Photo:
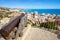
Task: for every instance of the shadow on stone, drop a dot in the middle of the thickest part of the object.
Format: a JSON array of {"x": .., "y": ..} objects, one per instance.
[{"x": 58, "y": 36}]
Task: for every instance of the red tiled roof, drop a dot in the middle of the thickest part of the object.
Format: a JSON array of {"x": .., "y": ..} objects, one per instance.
[{"x": 58, "y": 22}]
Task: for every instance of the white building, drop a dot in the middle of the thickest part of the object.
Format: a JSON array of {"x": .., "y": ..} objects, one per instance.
[
  {"x": 35, "y": 15},
  {"x": 29, "y": 16},
  {"x": 14, "y": 10},
  {"x": 43, "y": 19}
]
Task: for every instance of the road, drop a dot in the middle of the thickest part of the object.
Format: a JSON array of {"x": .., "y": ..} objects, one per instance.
[{"x": 39, "y": 34}]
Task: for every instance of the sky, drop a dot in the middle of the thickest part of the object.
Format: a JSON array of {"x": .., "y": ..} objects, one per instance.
[{"x": 31, "y": 4}]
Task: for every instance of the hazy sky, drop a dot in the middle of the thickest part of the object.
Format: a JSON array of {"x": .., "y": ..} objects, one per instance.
[{"x": 40, "y": 4}]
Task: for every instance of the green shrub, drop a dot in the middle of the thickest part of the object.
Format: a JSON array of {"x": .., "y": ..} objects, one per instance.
[
  {"x": 4, "y": 14},
  {"x": 28, "y": 22},
  {"x": 34, "y": 24}
]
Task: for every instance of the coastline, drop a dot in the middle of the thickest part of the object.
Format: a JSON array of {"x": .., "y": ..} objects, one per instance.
[{"x": 40, "y": 11}]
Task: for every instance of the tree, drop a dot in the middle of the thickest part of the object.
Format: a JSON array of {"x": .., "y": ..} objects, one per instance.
[{"x": 49, "y": 25}]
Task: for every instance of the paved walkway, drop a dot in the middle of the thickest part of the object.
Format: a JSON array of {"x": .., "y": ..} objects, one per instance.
[{"x": 39, "y": 34}]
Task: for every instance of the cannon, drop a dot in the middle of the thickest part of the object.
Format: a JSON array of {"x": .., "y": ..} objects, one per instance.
[{"x": 6, "y": 30}]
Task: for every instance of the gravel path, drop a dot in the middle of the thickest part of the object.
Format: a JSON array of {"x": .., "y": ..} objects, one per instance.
[{"x": 39, "y": 34}]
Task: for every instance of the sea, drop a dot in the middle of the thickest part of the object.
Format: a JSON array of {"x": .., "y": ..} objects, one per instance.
[{"x": 40, "y": 11}]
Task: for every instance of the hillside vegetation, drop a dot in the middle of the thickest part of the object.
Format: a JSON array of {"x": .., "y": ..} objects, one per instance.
[
  {"x": 4, "y": 12},
  {"x": 4, "y": 9}
]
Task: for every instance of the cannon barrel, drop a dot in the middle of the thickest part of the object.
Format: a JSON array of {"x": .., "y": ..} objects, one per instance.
[{"x": 8, "y": 28}]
